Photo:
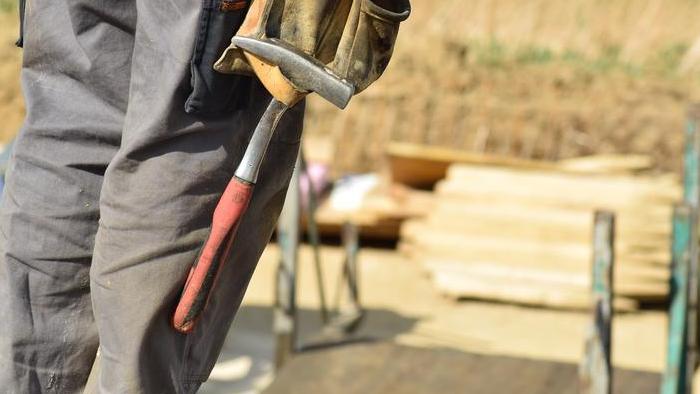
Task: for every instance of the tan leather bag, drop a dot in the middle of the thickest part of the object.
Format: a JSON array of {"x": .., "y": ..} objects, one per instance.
[{"x": 354, "y": 38}]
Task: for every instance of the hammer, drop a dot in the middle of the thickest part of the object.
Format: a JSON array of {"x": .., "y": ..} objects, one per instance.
[{"x": 289, "y": 74}]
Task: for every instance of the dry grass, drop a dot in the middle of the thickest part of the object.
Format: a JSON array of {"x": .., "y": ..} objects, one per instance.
[
  {"x": 638, "y": 29},
  {"x": 538, "y": 79},
  {"x": 542, "y": 78}
]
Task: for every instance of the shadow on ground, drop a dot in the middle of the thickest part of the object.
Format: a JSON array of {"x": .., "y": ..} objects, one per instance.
[
  {"x": 385, "y": 367},
  {"x": 246, "y": 362}
]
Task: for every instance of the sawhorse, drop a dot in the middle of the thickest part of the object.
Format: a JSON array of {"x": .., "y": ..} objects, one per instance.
[{"x": 289, "y": 236}]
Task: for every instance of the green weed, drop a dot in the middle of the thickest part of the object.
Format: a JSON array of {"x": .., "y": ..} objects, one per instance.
[
  {"x": 491, "y": 54},
  {"x": 667, "y": 60},
  {"x": 534, "y": 55},
  {"x": 8, "y": 5}
]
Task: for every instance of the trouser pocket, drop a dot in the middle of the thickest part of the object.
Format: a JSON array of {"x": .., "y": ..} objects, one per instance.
[
  {"x": 20, "y": 39},
  {"x": 213, "y": 92}
]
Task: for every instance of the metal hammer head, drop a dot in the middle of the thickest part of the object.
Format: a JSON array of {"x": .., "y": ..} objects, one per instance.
[{"x": 302, "y": 70}]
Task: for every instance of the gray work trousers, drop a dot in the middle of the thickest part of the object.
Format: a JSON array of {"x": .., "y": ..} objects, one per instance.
[{"x": 111, "y": 190}]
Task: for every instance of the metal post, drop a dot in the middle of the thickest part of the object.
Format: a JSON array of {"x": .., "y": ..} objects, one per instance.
[
  {"x": 285, "y": 323},
  {"x": 596, "y": 370},
  {"x": 691, "y": 167},
  {"x": 314, "y": 238},
  {"x": 691, "y": 346},
  {"x": 691, "y": 196},
  {"x": 676, "y": 380},
  {"x": 351, "y": 316},
  {"x": 351, "y": 241}
]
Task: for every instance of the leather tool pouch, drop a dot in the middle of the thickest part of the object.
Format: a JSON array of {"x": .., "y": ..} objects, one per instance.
[
  {"x": 213, "y": 92},
  {"x": 354, "y": 38},
  {"x": 368, "y": 40}
]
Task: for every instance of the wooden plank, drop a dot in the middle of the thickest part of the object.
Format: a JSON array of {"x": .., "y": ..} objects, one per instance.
[
  {"x": 637, "y": 211},
  {"x": 565, "y": 274},
  {"x": 546, "y": 234},
  {"x": 646, "y": 220},
  {"x": 564, "y": 195},
  {"x": 607, "y": 164},
  {"x": 494, "y": 248},
  {"x": 558, "y": 189},
  {"x": 519, "y": 292},
  {"x": 421, "y": 166},
  {"x": 648, "y": 290}
]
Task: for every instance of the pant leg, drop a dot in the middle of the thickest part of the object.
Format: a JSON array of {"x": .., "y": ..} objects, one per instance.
[
  {"x": 157, "y": 201},
  {"x": 75, "y": 78}
]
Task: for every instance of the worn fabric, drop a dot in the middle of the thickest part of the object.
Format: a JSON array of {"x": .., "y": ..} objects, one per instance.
[{"x": 109, "y": 195}]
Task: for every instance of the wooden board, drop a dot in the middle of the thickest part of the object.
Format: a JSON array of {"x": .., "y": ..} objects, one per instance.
[
  {"x": 558, "y": 189},
  {"x": 533, "y": 270},
  {"x": 633, "y": 221},
  {"x": 608, "y": 164},
  {"x": 503, "y": 249},
  {"x": 421, "y": 166},
  {"x": 520, "y": 293},
  {"x": 527, "y": 285}
]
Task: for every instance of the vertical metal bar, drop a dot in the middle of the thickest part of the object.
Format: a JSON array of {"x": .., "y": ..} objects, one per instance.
[
  {"x": 351, "y": 241},
  {"x": 691, "y": 167},
  {"x": 691, "y": 335},
  {"x": 285, "y": 315},
  {"x": 691, "y": 196},
  {"x": 596, "y": 370},
  {"x": 314, "y": 238},
  {"x": 675, "y": 376}
]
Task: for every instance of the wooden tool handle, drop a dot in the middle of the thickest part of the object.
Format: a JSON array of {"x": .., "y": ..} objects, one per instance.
[{"x": 203, "y": 274}]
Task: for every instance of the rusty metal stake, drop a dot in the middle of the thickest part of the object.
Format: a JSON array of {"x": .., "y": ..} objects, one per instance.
[
  {"x": 285, "y": 314},
  {"x": 677, "y": 379},
  {"x": 595, "y": 373},
  {"x": 691, "y": 196}
]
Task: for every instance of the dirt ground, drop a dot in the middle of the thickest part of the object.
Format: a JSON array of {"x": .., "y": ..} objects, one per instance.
[
  {"x": 403, "y": 307},
  {"x": 535, "y": 98},
  {"x": 11, "y": 102}
]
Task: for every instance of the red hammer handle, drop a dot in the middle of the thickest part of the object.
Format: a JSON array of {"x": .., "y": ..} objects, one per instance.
[{"x": 203, "y": 274}]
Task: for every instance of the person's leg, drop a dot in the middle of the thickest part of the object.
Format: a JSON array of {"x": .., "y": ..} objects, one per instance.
[
  {"x": 75, "y": 76},
  {"x": 157, "y": 202}
]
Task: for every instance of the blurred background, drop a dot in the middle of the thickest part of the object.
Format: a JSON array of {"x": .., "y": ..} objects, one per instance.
[{"x": 454, "y": 203}]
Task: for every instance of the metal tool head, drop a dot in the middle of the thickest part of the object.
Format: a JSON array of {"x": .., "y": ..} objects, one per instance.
[{"x": 302, "y": 70}]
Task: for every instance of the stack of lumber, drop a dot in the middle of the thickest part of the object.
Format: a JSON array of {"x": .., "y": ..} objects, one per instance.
[{"x": 523, "y": 234}]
